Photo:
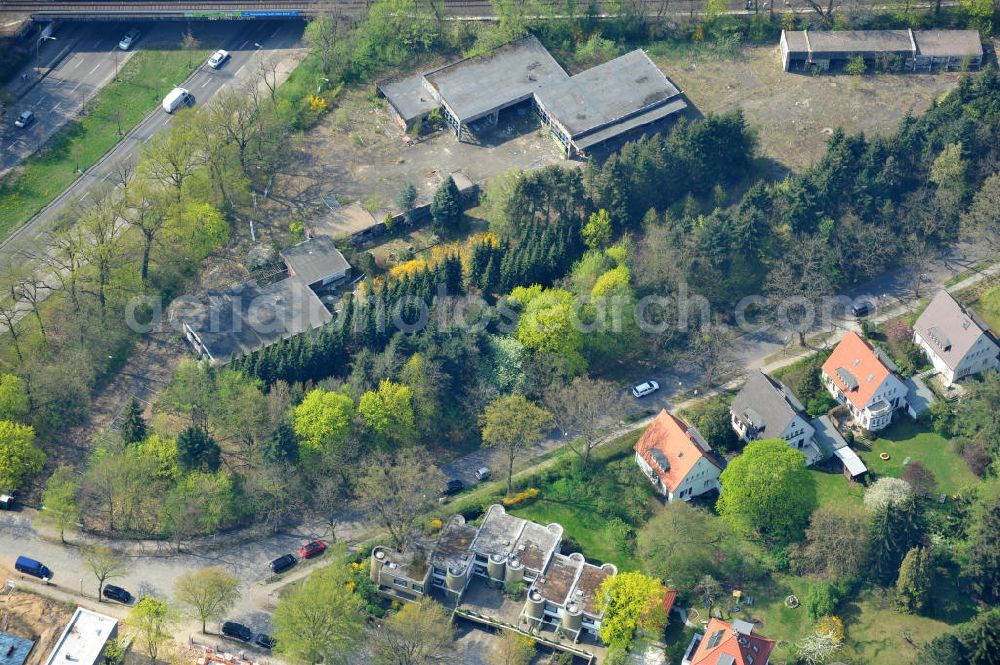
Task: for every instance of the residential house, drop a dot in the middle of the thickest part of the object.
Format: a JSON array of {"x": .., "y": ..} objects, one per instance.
[
  {"x": 955, "y": 340},
  {"x": 677, "y": 459},
  {"x": 725, "y": 643},
  {"x": 862, "y": 377},
  {"x": 566, "y": 595},
  {"x": 562, "y": 589},
  {"x": 765, "y": 409}
]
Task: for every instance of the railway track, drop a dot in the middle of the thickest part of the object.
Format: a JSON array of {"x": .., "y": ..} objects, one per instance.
[{"x": 222, "y": 9}]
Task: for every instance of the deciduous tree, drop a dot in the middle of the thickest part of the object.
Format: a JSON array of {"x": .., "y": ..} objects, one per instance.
[
  {"x": 597, "y": 230},
  {"x": 583, "y": 410},
  {"x": 837, "y": 544},
  {"x": 208, "y": 593},
  {"x": 321, "y": 620},
  {"x": 512, "y": 424},
  {"x": 418, "y": 634},
  {"x": 388, "y": 412},
  {"x": 19, "y": 456},
  {"x": 766, "y": 490},
  {"x": 323, "y": 420},
  {"x": 681, "y": 543},
  {"x": 630, "y": 601},
  {"x": 105, "y": 564},
  {"x": 59, "y": 504},
  {"x": 513, "y": 649},
  {"x": 150, "y": 622},
  {"x": 395, "y": 490}
]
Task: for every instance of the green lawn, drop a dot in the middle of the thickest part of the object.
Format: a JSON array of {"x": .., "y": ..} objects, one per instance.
[
  {"x": 141, "y": 85},
  {"x": 988, "y": 308},
  {"x": 835, "y": 488},
  {"x": 584, "y": 525},
  {"x": 876, "y": 634},
  {"x": 907, "y": 438}
]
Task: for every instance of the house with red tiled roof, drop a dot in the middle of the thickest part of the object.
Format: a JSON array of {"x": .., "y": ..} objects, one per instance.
[
  {"x": 725, "y": 643},
  {"x": 677, "y": 459},
  {"x": 862, "y": 377}
]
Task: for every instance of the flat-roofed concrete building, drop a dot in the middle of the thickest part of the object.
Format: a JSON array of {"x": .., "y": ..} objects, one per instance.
[
  {"x": 566, "y": 595},
  {"x": 892, "y": 50},
  {"x": 82, "y": 641},
  {"x": 244, "y": 318},
  {"x": 606, "y": 101},
  {"x": 582, "y": 111},
  {"x": 409, "y": 101},
  {"x": 316, "y": 262},
  {"x": 504, "y": 549},
  {"x": 482, "y": 86}
]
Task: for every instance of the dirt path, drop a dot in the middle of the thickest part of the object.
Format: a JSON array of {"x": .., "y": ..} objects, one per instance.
[{"x": 149, "y": 367}]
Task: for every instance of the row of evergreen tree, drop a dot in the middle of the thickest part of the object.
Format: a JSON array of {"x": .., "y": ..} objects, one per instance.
[
  {"x": 544, "y": 254},
  {"x": 363, "y": 323}
]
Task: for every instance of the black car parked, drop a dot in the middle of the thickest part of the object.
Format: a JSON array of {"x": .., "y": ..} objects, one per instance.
[
  {"x": 454, "y": 486},
  {"x": 117, "y": 593},
  {"x": 283, "y": 563},
  {"x": 237, "y": 631},
  {"x": 265, "y": 641}
]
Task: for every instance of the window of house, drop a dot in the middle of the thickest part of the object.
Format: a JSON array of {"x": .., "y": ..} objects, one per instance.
[
  {"x": 419, "y": 588},
  {"x": 399, "y": 582}
]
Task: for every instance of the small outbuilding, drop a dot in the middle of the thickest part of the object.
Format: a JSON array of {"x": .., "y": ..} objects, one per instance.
[
  {"x": 894, "y": 50},
  {"x": 316, "y": 262},
  {"x": 14, "y": 650},
  {"x": 829, "y": 438}
]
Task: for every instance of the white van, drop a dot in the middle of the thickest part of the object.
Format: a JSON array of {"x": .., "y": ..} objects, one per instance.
[{"x": 176, "y": 97}]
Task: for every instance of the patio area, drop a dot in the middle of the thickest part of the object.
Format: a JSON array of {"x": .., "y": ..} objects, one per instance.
[{"x": 487, "y": 604}]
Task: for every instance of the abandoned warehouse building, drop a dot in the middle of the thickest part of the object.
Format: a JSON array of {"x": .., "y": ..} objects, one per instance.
[
  {"x": 250, "y": 316},
  {"x": 886, "y": 50},
  {"x": 582, "y": 111}
]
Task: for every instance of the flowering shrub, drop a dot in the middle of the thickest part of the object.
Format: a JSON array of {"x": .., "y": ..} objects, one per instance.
[{"x": 521, "y": 497}]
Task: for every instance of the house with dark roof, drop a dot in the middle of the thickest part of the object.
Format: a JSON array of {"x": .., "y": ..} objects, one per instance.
[
  {"x": 860, "y": 376},
  {"x": 677, "y": 459},
  {"x": 725, "y": 643},
  {"x": 954, "y": 339},
  {"x": 766, "y": 409}
]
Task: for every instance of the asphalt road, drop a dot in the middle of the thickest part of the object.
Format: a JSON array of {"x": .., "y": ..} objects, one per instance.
[
  {"x": 155, "y": 567},
  {"x": 85, "y": 57},
  {"x": 240, "y": 39}
]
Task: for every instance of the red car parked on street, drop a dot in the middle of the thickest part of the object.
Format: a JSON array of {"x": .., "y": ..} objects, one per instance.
[{"x": 315, "y": 548}]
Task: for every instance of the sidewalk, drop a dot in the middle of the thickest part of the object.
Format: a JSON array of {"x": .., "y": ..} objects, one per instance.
[{"x": 40, "y": 67}]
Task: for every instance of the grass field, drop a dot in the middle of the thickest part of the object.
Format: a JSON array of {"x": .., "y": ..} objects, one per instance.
[
  {"x": 988, "y": 308},
  {"x": 876, "y": 634},
  {"x": 910, "y": 439},
  {"x": 587, "y": 528},
  {"x": 83, "y": 141}
]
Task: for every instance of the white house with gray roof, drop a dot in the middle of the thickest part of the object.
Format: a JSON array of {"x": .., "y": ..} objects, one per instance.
[
  {"x": 955, "y": 340},
  {"x": 765, "y": 409}
]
